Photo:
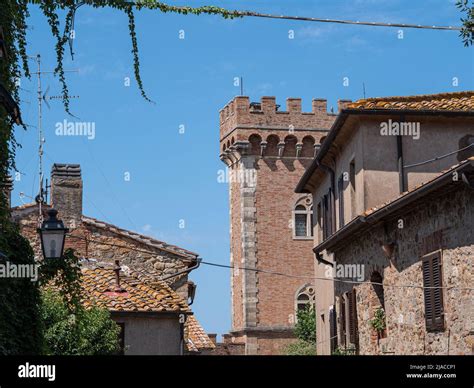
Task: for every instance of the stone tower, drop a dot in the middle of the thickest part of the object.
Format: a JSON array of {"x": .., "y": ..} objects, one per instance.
[{"x": 266, "y": 151}]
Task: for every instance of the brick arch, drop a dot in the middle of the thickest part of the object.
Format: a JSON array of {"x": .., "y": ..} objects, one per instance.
[
  {"x": 272, "y": 145},
  {"x": 255, "y": 141},
  {"x": 290, "y": 146},
  {"x": 308, "y": 147}
]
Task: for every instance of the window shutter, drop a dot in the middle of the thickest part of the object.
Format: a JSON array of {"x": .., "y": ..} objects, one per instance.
[
  {"x": 432, "y": 277},
  {"x": 342, "y": 322},
  {"x": 333, "y": 328},
  {"x": 353, "y": 332}
]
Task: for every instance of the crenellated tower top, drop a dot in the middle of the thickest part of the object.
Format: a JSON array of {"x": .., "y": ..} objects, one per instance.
[{"x": 262, "y": 129}]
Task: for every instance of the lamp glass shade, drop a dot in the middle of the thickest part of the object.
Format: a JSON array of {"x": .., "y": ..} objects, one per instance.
[
  {"x": 53, "y": 243},
  {"x": 53, "y": 235}
]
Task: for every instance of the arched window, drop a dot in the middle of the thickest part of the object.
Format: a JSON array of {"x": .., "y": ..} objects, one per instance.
[
  {"x": 303, "y": 218},
  {"x": 377, "y": 301},
  {"x": 305, "y": 297}
]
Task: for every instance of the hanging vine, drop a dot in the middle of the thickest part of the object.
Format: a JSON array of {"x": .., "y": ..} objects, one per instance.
[{"x": 50, "y": 9}]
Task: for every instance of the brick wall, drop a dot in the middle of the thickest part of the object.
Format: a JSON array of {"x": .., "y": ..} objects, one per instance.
[{"x": 267, "y": 150}]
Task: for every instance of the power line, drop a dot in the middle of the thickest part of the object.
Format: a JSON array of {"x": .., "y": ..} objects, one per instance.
[
  {"x": 97, "y": 166},
  {"x": 236, "y": 14},
  {"x": 352, "y": 22},
  {"x": 276, "y": 273},
  {"x": 330, "y": 279},
  {"x": 439, "y": 157}
]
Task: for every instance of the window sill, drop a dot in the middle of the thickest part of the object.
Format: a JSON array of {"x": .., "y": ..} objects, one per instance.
[{"x": 308, "y": 238}]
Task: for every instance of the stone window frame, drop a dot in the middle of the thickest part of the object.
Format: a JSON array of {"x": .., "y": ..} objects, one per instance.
[
  {"x": 307, "y": 203},
  {"x": 308, "y": 290}
]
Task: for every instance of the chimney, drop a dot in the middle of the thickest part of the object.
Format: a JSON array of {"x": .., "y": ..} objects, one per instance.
[
  {"x": 343, "y": 104},
  {"x": 7, "y": 188},
  {"x": 66, "y": 193},
  {"x": 117, "y": 268},
  {"x": 213, "y": 338}
]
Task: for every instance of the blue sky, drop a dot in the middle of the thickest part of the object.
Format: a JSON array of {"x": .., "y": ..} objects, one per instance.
[{"x": 173, "y": 175}]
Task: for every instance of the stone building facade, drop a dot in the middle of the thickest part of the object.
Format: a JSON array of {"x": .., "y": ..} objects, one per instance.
[
  {"x": 156, "y": 264},
  {"x": 98, "y": 241},
  {"x": 438, "y": 219},
  {"x": 361, "y": 169},
  {"x": 266, "y": 150}
]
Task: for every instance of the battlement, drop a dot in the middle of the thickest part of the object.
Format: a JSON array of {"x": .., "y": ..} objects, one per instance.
[
  {"x": 241, "y": 113},
  {"x": 273, "y": 132}
]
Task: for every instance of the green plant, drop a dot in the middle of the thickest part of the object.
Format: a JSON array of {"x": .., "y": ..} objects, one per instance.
[
  {"x": 305, "y": 331},
  {"x": 378, "y": 323},
  {"x": 348, "y": 351},
  {"x": 20, "y": 324},
  {"x": 85, "y": 332},
  {"x": 467, "y": 30},
  {"x": 301, "y": 348},
  {"x": 305, "y": 328}
]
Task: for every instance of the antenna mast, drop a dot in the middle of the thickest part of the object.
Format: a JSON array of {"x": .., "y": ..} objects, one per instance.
[{"x": 40, "y": 197}]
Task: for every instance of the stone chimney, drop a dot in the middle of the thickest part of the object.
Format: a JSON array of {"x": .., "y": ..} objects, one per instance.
[
  {"x": 343, "y": 104},
  {"x": 213, "y": 338},
  {"x": 7, "y": 188},
  {"x": 66, "y": 193}
]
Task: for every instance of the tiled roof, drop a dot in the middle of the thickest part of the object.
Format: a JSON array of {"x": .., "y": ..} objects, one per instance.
[
  {"x": 458, "y": 101},
  {"x": 141, "y": 294},
  {"x": 151, "y": 242},
  {"x": 196, "y": 337},
  {"x": 99, "y": 285}
]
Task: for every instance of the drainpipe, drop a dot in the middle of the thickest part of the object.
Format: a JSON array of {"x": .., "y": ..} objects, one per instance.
[
  {"x": 401, "y": 170},
  {"x": 187, "y": 270}
]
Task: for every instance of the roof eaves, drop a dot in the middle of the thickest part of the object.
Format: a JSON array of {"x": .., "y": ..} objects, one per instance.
[
  {"x": 358, "y": 223},
  {"x": 336, "y": 127}
]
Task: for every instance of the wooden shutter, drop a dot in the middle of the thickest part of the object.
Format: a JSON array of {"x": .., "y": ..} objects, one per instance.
[
  {"x": 353, "y": 332},
  {"x": 342, "y": 320},
  {"x": 333, "y": 328},
  {"x": 432, "y": 277}
]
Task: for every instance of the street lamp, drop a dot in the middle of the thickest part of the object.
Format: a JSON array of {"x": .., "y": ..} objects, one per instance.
[{"x": 53, "y": 235}]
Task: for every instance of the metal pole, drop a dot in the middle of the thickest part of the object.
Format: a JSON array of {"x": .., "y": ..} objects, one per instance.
[{"x": 40, "y": 139}]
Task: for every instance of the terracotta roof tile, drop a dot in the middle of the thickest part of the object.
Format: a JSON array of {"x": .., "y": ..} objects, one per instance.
[
  {"x": 196, "y": 337},
  {"x": 458, "y": 101},
  {"x": 99, "y": 284}
]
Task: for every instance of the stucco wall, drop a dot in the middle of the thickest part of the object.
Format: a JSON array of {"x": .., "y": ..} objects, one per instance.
[{"x": 151, "y": 335}]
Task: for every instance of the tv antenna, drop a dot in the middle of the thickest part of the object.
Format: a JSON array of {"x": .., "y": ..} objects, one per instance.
[{"x": 43, "y": 97}]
